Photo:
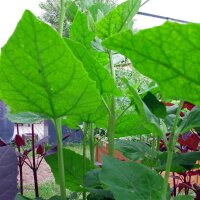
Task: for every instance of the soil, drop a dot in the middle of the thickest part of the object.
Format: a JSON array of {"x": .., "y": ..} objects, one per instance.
[{"x": 44, "y": 174}]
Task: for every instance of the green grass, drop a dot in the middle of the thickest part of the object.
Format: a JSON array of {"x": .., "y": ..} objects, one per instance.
[{"x": 46, "y": 190}]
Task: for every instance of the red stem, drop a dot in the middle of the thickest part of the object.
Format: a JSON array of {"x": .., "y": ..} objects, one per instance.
[
  {"x": 20, "y": 167},
  {"x": 174, "y": 183},
  {"x": 34, "y": 165}
]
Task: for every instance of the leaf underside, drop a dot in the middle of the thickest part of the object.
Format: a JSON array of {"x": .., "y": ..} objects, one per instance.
[
  {"x": 38, "y": 73},
  {"x": 169, "y": 54}
]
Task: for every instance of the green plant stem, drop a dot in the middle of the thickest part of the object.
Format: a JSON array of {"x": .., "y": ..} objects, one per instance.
[
  {"x": 58, "y": 125},
  {"x": 91, "y": 141},
  {"x": 112, "y": 117},
  {"x": 62, "y": 16},
  {"x": 85, "y": 130},
  {"x": 170, "y": 150},
  {"x": 158, "y": 143},
  {"x": 153, "y": 149}
]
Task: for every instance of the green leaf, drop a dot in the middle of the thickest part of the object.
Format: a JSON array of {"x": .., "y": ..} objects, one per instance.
[
  {"x": 155, "y": 106},
  {"x": 55, "y": 198},
  {"x": 99, "y": 117},
  {"x": 38, "y": 73},
  {"x": 133, "y": 150},
  {"x": 190, "y": 121},
  {"x": 169, "y": 54},
  {"x": 103, "y": 7},
  {"x": 183, "y": 197},
  {"x": 25, "y": 118},
  {"x": 20, "y": 197},
  {"x": 180, "y": 162},
  {"x": 130, "y": 124},
  {"x": 80, "y": 32},
  {"x": 104, "y": 81},
  {"x": 131, "y": 180},
  {"x": 71, "y": 10},
  {"x": 150, "y": 121},
  {"x": 73, "y": 169},
  {"x": 117, "y": 19}
]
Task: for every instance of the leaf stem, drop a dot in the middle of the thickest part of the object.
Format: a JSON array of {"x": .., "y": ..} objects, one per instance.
[
  {"x": 170, "y": 150},
  {"x": 112, "y": 117},
  {"x": 85, "y": 130},
  {"x": 34, "y": 168},
  {"x": 62, "y": 16},
  {"x": 91, "y": 141},
  {"x": 61, "y": 168}
]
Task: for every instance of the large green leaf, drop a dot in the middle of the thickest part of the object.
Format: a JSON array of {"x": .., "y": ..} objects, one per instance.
[
  {"x": 130, "y": 124},
  {"x": 150, "y": 121},
  {"x": 73, "y": 169},
  {"x": 117, "y": 19},
  {"x": 169, "y": 54},
  {"x": 104, "y": 81},
  {"x": 133, "y": 150},
  {"x": 25, "y": 118},
  {"x": 99, "y": 118},
  {"x": 131, "y": 180},
  {"x": 38, "y": 73},
  {"x": 190, "y": 121}
]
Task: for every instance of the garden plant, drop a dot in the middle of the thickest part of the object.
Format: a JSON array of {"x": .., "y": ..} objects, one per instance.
[{"x": 72, "y": 81}]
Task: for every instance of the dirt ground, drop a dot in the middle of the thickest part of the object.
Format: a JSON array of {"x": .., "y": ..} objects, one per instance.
[{"x": 44, "y": 174}]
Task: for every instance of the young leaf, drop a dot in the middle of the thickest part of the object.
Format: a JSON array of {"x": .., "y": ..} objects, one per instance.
[
  {"x": 39, "y": 73},
  {"x": 155, "y": 106},
  {"x": 130, "y": 124},
  {"x": 98, "y": 73},
  {"x": 150, "y": 121},
  {"x": 103, "y": 7},
  {"x": 190, "y": 121},
  {"x": 73, "y": 169},
  {"x": 80, "y": 32},
  {"x": 169, "y": 54},
  {"x": 117, "y": 19},
  {"x": 8, "y": 173},
  {"x": 131, "y": 180}
]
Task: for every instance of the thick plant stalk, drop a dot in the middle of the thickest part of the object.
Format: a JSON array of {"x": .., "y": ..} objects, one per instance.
[
  {"x": 112, "y": 117},
  {"x": 170, "y": 150},
  {"x": 58, "y": 122},
  {"x": 85, "y": 130},
  {"x": 62, "y": 16},
  {"x": 58, "y": 125},
  {"x": 91, "y": 141},
  {"x": 34, "y": 163}
]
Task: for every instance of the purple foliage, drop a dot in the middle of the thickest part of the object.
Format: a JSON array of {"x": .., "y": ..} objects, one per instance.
[
  {"x": 8, "y": 173},
  {"x": 6, "y": 126},
  {"x": 76, "y": 136}
]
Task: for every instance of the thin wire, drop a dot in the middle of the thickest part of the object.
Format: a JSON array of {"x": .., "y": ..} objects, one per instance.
[
  {"x": 163, "y": 17},
  {"x": 144, "y": 3}
]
